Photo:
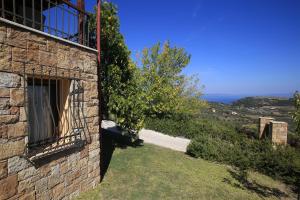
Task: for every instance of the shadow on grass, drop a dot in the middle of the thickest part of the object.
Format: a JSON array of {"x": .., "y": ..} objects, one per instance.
[
  {"x": 111, "y": 140},
  {"x": 261, "y": 190}
]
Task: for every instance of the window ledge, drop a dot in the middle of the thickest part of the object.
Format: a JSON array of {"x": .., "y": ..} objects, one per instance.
[{"x": 51, "y": 149}]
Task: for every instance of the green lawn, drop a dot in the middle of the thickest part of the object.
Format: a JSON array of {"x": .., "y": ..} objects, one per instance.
[{"x": 151, "y": 172}]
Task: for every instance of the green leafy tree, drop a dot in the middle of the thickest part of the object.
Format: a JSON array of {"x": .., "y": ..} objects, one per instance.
[
  {"x": 121, "y": 98},
  {"x": 296, "y": 114},
  {"x": 167, "y": 90}
]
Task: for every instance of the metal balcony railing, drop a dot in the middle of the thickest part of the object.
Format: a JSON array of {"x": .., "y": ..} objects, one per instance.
[{"x": 60, "y": 18}]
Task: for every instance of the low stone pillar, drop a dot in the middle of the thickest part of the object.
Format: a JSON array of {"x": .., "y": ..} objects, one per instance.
[
  {"x": 263, "y": 126},
  {"x": 279, "y": 132}
]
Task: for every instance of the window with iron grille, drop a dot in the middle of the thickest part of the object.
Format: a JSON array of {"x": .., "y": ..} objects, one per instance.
[{"x": 55, "y": 114}]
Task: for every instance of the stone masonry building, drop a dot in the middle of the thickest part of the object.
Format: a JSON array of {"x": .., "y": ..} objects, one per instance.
[
  {"x": 274, "y": 130},
  {"x": 49, "y": 117}
]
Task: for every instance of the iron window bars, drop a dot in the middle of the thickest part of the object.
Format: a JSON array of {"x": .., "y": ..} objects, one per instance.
[
  {"x": 54, "y": 103},
  {"x": 56, "y": 17}
]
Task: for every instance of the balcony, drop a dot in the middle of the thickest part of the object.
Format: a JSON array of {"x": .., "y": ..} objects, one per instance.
[{"x": 60, "y": 18}]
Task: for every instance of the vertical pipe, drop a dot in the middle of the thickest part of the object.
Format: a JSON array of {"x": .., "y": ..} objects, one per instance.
[
  {"x": 98, "y": 30},
  {"x": 49, "y": 31},
  {"x": 99, "y": 80},
  {"x": 36, "y": 122},
  {"x": 56, "y": 26},
  {"x": 80, "y": 4},
  {"x": 62, "y": 22},
  {"x": 14, "y": 10},
  {"x": 69, "y": 21},
  {"x": 24, "y": 13},
  {"x": 74, "y": 28},
  {"x": 3, "y": 8},
  {"x": 33, "y": 16},
  {"x": 42, "y": 15},
  {"x": 53, "y": 130},
  {"x": 42, "y": 102},
  {"x": 56, "y": 102},
  {"x": 25, "y": 95},
  {"x": 88, "y": 31},
  {"x": 33, "y": 104},
  {"x": 83, "y": 31}
]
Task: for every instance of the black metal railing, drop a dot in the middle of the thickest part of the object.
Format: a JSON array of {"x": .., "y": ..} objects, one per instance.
[{"x": 60, "y": 18}]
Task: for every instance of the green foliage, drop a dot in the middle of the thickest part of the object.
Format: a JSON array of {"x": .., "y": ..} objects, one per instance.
[
  {"x": 158, "y": 88},
  {"x": 189, "y": 127},
  {"x": 216, "y": 140},
  {"x": 282, "y": 162},
  {"x": 167, "y": 90},
  {"x": 296, "y": 114},
  {"x": 122, "y": 97}
]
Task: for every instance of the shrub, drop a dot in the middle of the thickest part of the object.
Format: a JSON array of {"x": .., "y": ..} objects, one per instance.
[
  {"x": 280, "y": 162},
  {"x": 223, "y": 142}
]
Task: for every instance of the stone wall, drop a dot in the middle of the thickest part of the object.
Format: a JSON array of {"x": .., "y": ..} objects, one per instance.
[
  {"x": 63, "y": 175},
  {"x": 279, "y": 132},
  {"x": 274, "y": 130},
  {"x": 264, "y": 123}
]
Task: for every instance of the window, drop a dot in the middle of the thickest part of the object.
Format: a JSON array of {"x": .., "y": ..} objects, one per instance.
[
  {"x": 55, "y": 110},
  {"x": 43, "y": 107}
]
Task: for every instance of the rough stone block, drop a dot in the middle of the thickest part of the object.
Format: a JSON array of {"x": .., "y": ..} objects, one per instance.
[
  {"x": 5, "y": 57},
  {"x": 41, "y": 185},
  {"x": 8, "y": 187},
  {"x": 84, "y": 153},
  {"x": 4, "y": 103},
  {"x": 16, "y": 97},
  {"x": 59, "y": 191},
  {"x": 17, "y": 130},
  {"x": 14, "y": 110},
  {"x": 4, "y": 92},
  {"x": 3, "y": 131},
  {"x": 8, "y": 119},
  {"x": 90, "y": 95},
  {"x": 3, "y": 169},
  {"x": 52, "y": 46},
  {"x": 11, "y": 148},
  {"x": 45, "y": 170},
  {"x": 74, "y": 194},
  {"x": 27, "y": 173},
  {"x": 92, "y": 111},
  {"x": 17, "y": 37},
  {"x": 18, "y": 54},
  {"x": 4, "y": 112},
  {"x": 33, "y": 56},
  {"x": 46, "y": 195},
  {"x": 2, "y": 35},
  {"x": 28, "y": 196},
  {"x": 47, "y": 58},
  {"x": 9, "y": 80},
  {"x": 16, "y": 164},
  {"x": 73, "y": 160},
  {"x": 22, "y": 117},
  {"x": 53, "y": 181},
  {"x": 94, "y": 153},
  {"x": 27, "y": 185}
]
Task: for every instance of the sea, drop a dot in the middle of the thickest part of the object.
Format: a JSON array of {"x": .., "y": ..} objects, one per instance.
[{"x": 230, "y": 98}]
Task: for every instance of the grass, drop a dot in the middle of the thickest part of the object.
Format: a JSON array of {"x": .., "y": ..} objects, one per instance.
[{"x": 151, "y": 172}]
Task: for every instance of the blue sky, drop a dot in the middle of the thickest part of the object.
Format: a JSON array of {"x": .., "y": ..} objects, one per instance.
[{"x": 237, "y": 46}]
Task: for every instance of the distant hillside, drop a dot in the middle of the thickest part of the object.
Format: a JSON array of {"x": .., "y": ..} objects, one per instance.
[{"x": 263, "y": 101}]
